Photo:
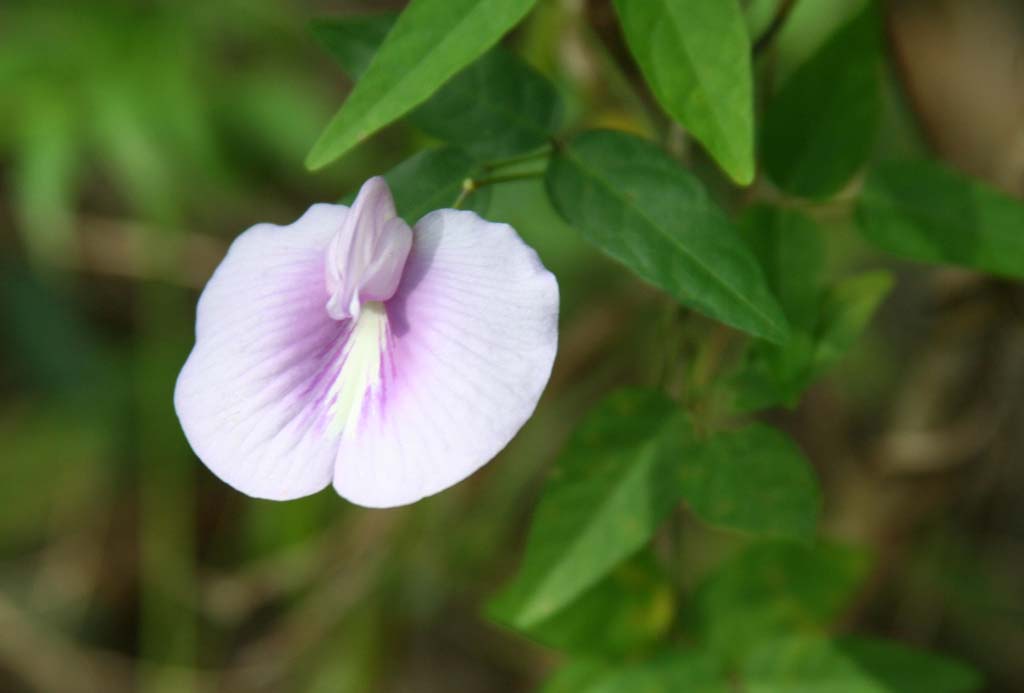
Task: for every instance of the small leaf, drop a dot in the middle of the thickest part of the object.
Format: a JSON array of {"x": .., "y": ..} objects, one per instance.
[
  {"x": 809, "y": 664},
  {"x": 771, "y": 375},
  {"x": 496, "y": 107},
  {"x": 803, "y": 664},
  {"x": 432, "y": 179},
  {"x": 754, "y": 480},
  {"x": 901, "y": 669},
  {"x": 430, "y": 42},
  {"x": 826, "y": 323},
  {"x": 695, "y": 55},
  {"x": 847, "y": 310},
  {"x": 668, "y": 673},
  {"x": 774, "y": 589},
  {"x": 353, "y": 40},
  {"x": 925, "y": 212},
  {"x": 626, "y": 612},
  {"x": 642, "y": 208},
  {"x": 791, "y": 252},
  {"x": 580, "y": 676},
  {"x": 789, "y": 247},
  {"x": 608, "y": 493},
  {"x": 820, "y": 128}
]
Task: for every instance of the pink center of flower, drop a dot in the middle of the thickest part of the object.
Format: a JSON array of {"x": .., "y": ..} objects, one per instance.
[{"x": 366, "y": 256}]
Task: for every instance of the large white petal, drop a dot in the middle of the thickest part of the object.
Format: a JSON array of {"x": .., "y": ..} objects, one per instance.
[
  {"x": 471, "y": 337},
  {"x": 251, "y": 395}
]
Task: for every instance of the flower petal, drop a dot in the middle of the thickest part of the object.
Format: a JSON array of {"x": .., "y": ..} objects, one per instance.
[
  {"x": 366, "y": 257},
  {"x": 471, "y": 337},
  {"x": 250, "y": 397}
]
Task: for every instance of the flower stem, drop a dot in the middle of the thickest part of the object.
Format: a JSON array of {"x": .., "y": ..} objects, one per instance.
[
  {"x": 468, "y": 186},
  {"x": 542, "y": 153},
  {"x": 508, "y": 178},
  {"x": 471, "y": 185}
]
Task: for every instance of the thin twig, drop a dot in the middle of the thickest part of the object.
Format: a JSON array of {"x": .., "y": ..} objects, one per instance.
[
  {"x": 507, "y": 178},
  {"x": 468, "y": 186},
  {"x": 542, "y": 153},
  {"x": 781, "y": 15},
  {"x": 471, "y": 185}
]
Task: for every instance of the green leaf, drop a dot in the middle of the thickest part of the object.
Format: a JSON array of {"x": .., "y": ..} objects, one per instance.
[
  {"x": 608, "y": 493},
  {"x": 353, "y": 40},
  {"x": 580, "y": 676},
  {"x": 668, "y": 673},
  {"x": 642, "y": 208},
  {"x": 826, "y": 323},
  {"x": 774, "y": 589},
  {"x": 626, "y": 612},
  {"x": 808, "y": 664},
  {"x": 789, "y": 247},
  {"x": 773, "y": 374},
  {"x": 803, "y": 664},
  {"x": 695, "y": 55},
  {"x": 791, "y": 252},
  {"x": 754, "y": 480},
  {"x": 846, "y": 312},
  {"x": 496, "y": 107},
  {"x": 925, "y": 212},
  {"x": 432, "y": 179},
  {"x": 905, "y": 670},
  {"x": 820, "y": 128},
  {"x": 431, "y": 41}
]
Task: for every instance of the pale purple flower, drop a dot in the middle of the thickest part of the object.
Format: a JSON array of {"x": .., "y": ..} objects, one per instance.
[{"x": 349, "y": 348}]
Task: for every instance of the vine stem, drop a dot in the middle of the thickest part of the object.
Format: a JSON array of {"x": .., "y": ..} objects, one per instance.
[
  {"x": 765, "y": 39},
  {"x": 471, "y": 185},
  {"x": 508, "y": 178},
  {"x": 468, "y": 186},
  {"x": 542, "y": 153}
]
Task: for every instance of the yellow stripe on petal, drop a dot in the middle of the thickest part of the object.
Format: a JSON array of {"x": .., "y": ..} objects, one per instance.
[{"x": 360, "y": 374}]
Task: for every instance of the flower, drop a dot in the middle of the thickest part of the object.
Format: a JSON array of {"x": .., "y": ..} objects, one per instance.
[{"x": 349, "y": 348}]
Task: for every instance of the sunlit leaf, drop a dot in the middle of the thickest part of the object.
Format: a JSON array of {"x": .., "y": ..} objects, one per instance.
[
  {"x": 695, "y": 54},
  {"x": 642, "y": 208},
  {"x": 431, "y": 41},
  {"x": 925, "y": 212}
]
